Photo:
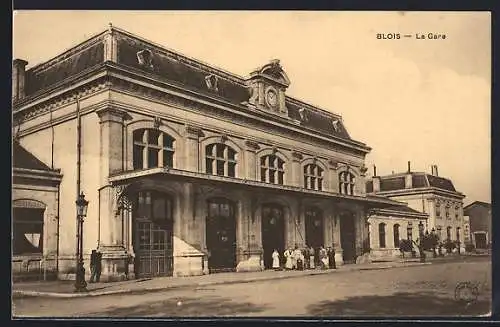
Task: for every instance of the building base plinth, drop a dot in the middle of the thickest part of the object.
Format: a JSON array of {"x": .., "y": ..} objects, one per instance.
[
  {"x": 339, "y": 257},
  {"x": 189, "y": 265},
  {"x": 253, "y": 263},
  {"x": 114, "y": 265}
]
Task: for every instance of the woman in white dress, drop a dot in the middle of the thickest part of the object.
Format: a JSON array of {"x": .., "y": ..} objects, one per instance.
[
  {"x": 276, "y": 260},
  {"x": 288, "y": 257}
]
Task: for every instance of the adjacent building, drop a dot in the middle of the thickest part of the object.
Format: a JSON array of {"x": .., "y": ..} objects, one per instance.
[
  {"x": 188, "y": 169},
  {"x": 426, "y": 193},
  {"x": 480, "y": 223}
]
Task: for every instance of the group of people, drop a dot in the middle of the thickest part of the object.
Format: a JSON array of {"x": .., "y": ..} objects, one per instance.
[{"x": 306, "y": 258}]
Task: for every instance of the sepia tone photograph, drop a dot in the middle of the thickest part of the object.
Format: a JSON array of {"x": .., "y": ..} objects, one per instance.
[{"x": 215, "y": 164}]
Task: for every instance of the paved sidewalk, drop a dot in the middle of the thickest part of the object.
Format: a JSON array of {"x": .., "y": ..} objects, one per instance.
[{"x": 64, "y": 289}]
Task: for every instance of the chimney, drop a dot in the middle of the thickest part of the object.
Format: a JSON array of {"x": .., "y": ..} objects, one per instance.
[
  {"x": 374, "y": 171},
  {"x": 432, "y": 170},
  {"x": 408, "y": 177},
  {"x": 436, "y": 170},
  {"x": 18, "y": 78}
]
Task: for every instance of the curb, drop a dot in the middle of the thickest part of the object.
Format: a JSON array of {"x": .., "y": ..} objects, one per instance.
[{"x": 22, "y": 294}]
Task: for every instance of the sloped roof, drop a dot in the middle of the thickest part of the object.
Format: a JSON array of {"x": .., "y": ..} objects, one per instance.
[
  {"x": 22, "y": 158},
  {"x": 478, "y": 203},
  {"x": 174, "y": 68},
  {"x": 400, "y": 210},
  {"x": 419, "y": 180}
]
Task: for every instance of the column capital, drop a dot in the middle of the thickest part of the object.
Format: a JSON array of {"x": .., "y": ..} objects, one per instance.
[{"x": 114, "y": 114}]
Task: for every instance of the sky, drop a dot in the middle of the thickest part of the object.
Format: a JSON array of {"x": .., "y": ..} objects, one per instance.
[{"x": 419, "y": 100}]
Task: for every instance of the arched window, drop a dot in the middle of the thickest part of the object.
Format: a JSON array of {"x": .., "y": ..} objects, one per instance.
[
  {"x": 439, "y": 232},
  {"x": 381, "y": 235},
  {"x": 447, "y": 211},
  {"x": 448, "y": 233},
  {"x": 313, "y": 177},
  {"x": 457, "y": 212},
  {"x": 458, "y": 234},
  {"x": 152, "y": 148},
  {"x": 220, "y": 160},
  {"x": 346, "y": 183},
  {"x": 396, "y": 235},
  {"x": 272, "y": 169}
]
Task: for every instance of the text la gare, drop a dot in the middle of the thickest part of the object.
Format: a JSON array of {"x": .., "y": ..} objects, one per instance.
[{"x": 430, "y": 36}]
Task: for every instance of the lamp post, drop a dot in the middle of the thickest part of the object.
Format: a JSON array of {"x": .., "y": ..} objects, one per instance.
[
  {"x": 81, "y": 212},
  {"x": 421, "y": 241}
]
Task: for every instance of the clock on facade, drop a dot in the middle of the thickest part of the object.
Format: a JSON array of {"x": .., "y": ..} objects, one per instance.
[{"x": 272, "y": 97}]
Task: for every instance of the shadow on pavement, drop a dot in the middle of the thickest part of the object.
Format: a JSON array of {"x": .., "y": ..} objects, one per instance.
[
  {"x": 185, "y": 307},
  {"x": 399, "y": 305}
]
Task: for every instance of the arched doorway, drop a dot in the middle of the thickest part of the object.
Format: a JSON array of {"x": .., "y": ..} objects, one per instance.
[
  {"x": 273, "y": 232},
  {"x": 314, "y": 228},
  {"x": 348, "y": 237},
  {"x": 221, "y": 235},
  {"x": 153, "y": 234}
]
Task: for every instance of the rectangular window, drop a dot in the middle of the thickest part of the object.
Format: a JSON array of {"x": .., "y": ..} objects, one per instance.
[
  {"x": 231, "y": 169},
  {"x": 263, "y": 173},
  {"x": 153, "y": 136},
  {"x": 320, "y": 184},
  {"x": 159, "y": 209},
  {"x": 272, "y": 174},
  {"x": 168, "y": 142},
  {"x": 220, "y": 151},
  {"x": 138, "y": 156},
  {"x": 306, "y": 182},
  {"x": 209, "y": 165},
  {"x": 27, "y": 231},
  {"x": 220, "y": 167},
  {"x": 153, "y": 157},
  {"x": 168, "y": 158},
  {"x": 313, "y": 183},
  {"x": 281, "y": 177}
]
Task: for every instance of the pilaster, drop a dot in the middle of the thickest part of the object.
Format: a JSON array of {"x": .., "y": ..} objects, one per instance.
[
  {"x": 249, "y": 234},
  {"x": 296, "y": 170},
  {"x": 251, "y": 148},
  {"x": 111, "y": 241},
  {"x": 332, "y": 175},
  {"x": 192, "y": 148}
]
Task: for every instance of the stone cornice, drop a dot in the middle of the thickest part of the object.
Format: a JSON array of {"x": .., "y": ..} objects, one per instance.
[{"x": 422, "y": 190}]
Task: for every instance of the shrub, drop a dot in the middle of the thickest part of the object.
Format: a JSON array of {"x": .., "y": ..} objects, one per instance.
[
  {"x": 469, "y": 247},
  {"x": 405, "y": 246},
  {"x": 450, "y": 245}
]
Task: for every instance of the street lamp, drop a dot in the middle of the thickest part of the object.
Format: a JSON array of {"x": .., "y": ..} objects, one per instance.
[{"x": 81, "y": 212}]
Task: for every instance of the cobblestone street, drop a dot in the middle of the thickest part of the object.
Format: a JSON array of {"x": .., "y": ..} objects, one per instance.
[{"x": 411, "y": 291}]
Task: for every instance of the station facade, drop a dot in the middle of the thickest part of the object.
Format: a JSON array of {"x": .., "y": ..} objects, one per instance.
[{"x": 188, "y": 169}]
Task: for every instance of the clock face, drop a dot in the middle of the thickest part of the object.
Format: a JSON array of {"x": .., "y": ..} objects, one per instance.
[{"x": 272, "y": 98}]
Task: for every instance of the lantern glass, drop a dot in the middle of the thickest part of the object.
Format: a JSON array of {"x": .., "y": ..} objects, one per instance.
[{"x": 81, "y": 205}]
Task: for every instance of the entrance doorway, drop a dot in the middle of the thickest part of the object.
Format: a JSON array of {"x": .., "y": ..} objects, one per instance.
[
  {"x": 314, "y": 229},
  {"x": 348, "y": 237},
  {"x": 221, "y": 235},
  {"x": 273, "y": 232},
  {"x": 480, "y": 239},
  {"x": 153, "y": 234}
]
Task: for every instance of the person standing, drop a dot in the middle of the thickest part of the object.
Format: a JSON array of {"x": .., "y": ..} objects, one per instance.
[
  {"x": 297, "y": 257},
  {"x": 288, "y": 258},
  {"x": 93, "y": 266},
  {"x": 98, "y": 266},
  {"x": 311, "y": 258},
  {"x": 276, "y": 260},
  {"x": 332, "y": 259},
  {"x": 323, "y": 258},
  {"x": 305, "y": 255}
]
